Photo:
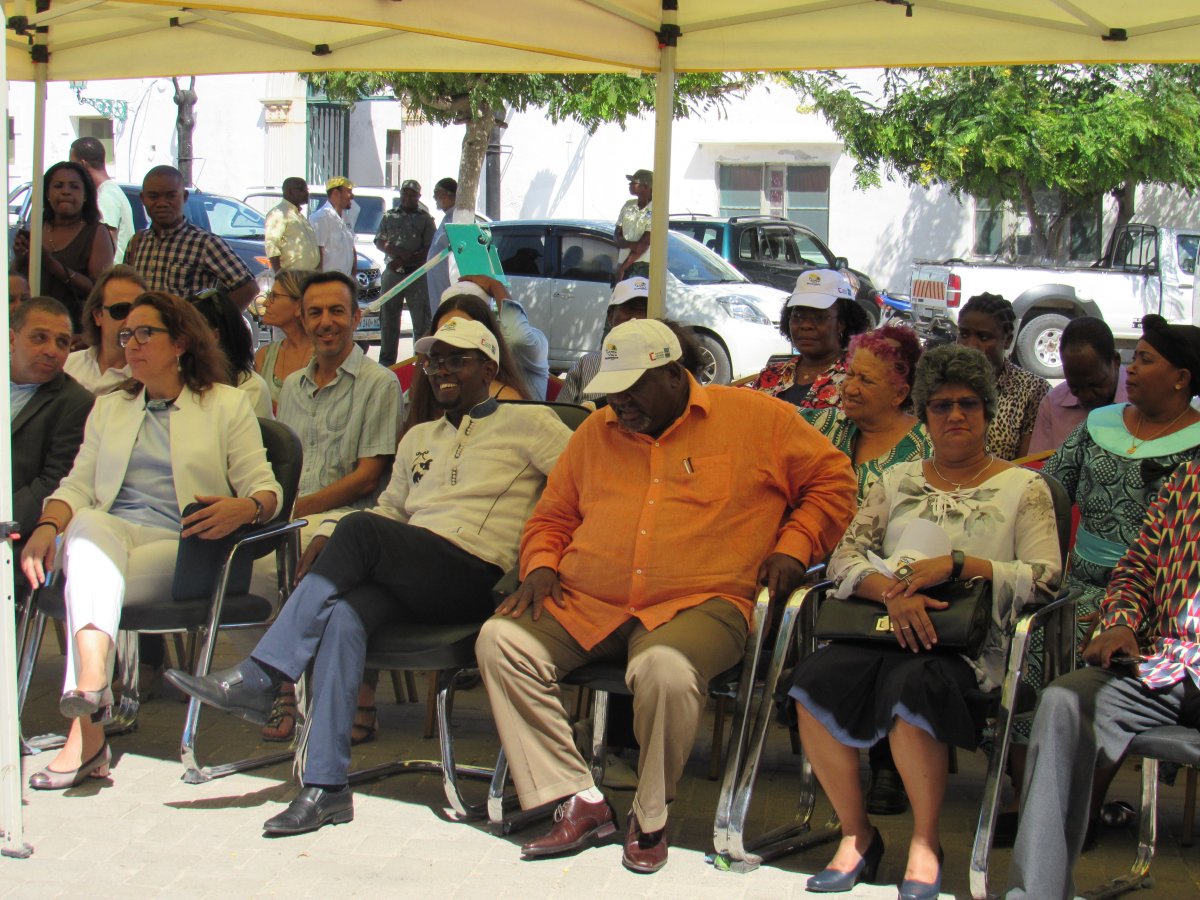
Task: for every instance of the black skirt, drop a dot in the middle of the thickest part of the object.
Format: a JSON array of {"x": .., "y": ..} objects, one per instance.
[{"x": 856, "y": 691}]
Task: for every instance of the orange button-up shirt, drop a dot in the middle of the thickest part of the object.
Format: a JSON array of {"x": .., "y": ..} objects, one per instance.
[{"x": 645, "y": 527}]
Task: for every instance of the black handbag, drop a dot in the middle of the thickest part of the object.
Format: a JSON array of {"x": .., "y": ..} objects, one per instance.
[{"x": 961, "y": 626}]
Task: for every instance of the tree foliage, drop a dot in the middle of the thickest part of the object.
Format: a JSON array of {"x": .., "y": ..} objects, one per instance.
[
  {"x": 481, "y": 100},
  {"x": 1012, "y": 134}
]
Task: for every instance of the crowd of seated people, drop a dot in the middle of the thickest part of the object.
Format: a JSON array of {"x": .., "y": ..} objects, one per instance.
[{"x": 885, "y": 436}]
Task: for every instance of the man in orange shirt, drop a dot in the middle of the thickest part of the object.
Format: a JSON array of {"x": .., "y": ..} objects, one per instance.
[{"x": 658, "y": 521}]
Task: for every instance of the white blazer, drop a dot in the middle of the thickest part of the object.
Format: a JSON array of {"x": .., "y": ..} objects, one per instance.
[{"x": 216, "y": 449}]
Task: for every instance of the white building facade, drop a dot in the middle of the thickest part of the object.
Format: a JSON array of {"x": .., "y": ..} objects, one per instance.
[{"x": 759, "y": 154}]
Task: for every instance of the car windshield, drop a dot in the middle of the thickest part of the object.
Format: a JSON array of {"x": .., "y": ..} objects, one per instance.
[{"x": 692, "y": 263}]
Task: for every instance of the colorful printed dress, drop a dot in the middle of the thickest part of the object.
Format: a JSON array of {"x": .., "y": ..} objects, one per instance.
[{"x": 1112, "y": 479}]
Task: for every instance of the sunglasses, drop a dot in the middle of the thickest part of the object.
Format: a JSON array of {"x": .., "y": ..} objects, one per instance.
[
  {"x": 968, "y": 405},
  {"x": 453, "y": 364},
  {"x": 119, "y": 311},
  {"x": 141, "y": 334}
]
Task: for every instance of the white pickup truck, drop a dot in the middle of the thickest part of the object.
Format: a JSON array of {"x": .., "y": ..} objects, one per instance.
[{"x": 1147, "y": 269}]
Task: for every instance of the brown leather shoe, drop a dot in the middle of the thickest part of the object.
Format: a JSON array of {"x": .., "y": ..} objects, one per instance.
[
  {"x": 577, "y": 823},
  {"x": 644, "y": 853}
]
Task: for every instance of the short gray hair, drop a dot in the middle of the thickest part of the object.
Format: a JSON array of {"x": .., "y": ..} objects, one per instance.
[{"x": 958, "y": 365}]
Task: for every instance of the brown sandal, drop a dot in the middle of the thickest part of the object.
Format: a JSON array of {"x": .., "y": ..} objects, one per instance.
[
  {"x": 281, "y": 726},
  {"x": 364, "y": 732}
]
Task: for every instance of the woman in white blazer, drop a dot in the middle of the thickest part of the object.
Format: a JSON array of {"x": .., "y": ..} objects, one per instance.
[{"x": 174, "y": 437}]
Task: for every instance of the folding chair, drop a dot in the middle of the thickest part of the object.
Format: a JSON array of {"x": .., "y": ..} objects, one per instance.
[{"x": 204, "y": 618}]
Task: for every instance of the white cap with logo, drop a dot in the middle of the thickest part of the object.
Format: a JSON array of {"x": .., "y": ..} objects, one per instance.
[
  {"x": 464, "y": 333},
  {"x": 629, "y": 351},
  {"x": 820, "y": 289},
  {"x": 629, "y": 289}
]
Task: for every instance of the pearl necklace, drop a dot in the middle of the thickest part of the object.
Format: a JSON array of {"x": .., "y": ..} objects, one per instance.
[
  {"x": 1134, "y": 446},
  {"x": 958, "y": 485}
]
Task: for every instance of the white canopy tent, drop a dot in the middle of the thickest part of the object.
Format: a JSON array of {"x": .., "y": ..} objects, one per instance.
[{"x": 94, "y": 39}]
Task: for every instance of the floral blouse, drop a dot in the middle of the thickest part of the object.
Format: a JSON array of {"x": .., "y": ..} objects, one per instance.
[
  {"x": 1008, "y": 519},
  {"x": 843, "y": 433},
  {"x": 778, "y": 377}
]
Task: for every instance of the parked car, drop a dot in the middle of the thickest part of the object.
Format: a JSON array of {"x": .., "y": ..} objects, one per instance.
[
  {"x": 1145, "y": 269},
  {"x": 241, "y": 227},
  {"x": 561, "y": 272},
  {"x": 771, "y": 250}
]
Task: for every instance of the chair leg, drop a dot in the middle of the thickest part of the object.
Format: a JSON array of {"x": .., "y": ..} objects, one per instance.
[
  {"x": 1139, "y": 873},
  {"x": 410, "y": 687},
  {"x": 431, "y": 705},
  {"x": 716, "y": 758},
  {"x": 1189, "y": 809},
  {"x": 599, "y": 735}
]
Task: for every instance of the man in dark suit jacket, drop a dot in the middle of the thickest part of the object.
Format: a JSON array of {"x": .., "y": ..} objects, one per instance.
[{"x": 48, "y": 408}]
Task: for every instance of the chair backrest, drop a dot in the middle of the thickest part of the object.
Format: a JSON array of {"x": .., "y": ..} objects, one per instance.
[
  {"x": 1062, "y": 513},
  {"x": 286, "y": 456},
  {"x": 571, "y": 414},
  {"x": 404, "y": 371}
]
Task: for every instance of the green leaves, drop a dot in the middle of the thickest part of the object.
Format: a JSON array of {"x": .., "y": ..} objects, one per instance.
[{"x": 1000, "y": 132}]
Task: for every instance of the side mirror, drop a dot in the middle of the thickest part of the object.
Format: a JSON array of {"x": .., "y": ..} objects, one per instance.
[{"x": 840, "y": 262}]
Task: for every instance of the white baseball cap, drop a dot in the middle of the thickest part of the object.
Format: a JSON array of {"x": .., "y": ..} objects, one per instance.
[
  {"x": 629, "y": 351},
  {"x": 465, "y": 333},
  {"x": 465, "y": 287},
  {"x": 630, "y": 289},
  {"x": 820, "y": 289}
]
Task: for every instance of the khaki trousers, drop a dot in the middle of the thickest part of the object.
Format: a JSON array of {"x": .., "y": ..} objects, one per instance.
[{"x": 668, "y": 671}]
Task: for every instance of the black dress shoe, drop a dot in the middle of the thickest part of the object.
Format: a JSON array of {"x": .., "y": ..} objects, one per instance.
[
  {"x": 312, "y": 808},
  {"x": 227, "y": 691},
  {"x": 886, "y": 796}
]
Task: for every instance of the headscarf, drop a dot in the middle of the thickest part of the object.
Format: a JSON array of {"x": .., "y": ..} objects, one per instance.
[{"x": 1178, "y": 344}]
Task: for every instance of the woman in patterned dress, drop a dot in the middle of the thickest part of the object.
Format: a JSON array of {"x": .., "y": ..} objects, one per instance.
[
  {"x": 987, "y": 323},
  {"x": 819, "y": 319},
  {"x": 1001, "y": 525}
]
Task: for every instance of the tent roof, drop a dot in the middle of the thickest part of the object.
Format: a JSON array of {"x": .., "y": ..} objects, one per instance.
[{"x": 134, "y": 38}]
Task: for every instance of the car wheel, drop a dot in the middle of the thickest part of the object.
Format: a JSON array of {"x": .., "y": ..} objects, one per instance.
[
  {"x": 715, "y": 367},
  {"x": 871, "y": 308},
  {"x": 1038, "y": 345}
]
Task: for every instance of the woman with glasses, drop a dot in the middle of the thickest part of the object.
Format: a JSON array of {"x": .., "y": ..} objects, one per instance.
[
  {"x": 279, "y": 359},
  {"x": 1000, "y": 523},
  {"x": 76, "y": 247},
  {"x": 101, "y": 367},
  {"x": 233, "y": 336},
  {"x": 173, "y": 436},
  {"x": 819, "y": 319},
  {"x": 987, "y": 323}
]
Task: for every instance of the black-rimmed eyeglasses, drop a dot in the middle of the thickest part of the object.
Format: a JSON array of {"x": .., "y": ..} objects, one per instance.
[
  {"x": 141, "y": 334},
  {"x": 454, "y": 363}
]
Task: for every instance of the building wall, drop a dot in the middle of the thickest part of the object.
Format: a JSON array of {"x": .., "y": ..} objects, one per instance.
[{"x": 250, "y": 131}]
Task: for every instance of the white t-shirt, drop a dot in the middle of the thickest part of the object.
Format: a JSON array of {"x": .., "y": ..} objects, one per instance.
[
  {"x": 115, "y": 212},
  {"x": 336, "y": 239},
  {"x": 84, "y": 367}
]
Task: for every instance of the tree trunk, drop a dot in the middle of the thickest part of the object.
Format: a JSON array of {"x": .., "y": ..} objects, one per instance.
[
  {"x": 1126, "y": 197},
  {"x": 1037, "y": 228},
  {"x": 492, "y": 202},
  {"x": 474, "y": 148},
  {"x": 185, "y": 125}
]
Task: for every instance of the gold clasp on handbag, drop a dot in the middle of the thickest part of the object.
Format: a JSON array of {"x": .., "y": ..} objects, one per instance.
[{"x": 883, "y": 623}]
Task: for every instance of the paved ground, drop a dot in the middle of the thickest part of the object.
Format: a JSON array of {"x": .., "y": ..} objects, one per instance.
[{"x": 146, "y": 834}]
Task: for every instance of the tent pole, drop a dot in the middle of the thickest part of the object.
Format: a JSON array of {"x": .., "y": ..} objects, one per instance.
[
  {"x": 12, "y": 842},
  {"x": 36, "y": 198},
  {"x": 664, "y": 108}
]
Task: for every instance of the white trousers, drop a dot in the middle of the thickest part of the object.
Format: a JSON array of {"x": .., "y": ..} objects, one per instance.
[{"x": 109, "y": 564}]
